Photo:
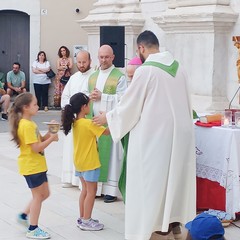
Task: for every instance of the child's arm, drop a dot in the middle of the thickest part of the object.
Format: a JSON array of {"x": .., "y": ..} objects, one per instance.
[
  {"x": 45, "y": 137},
  {"x": 40, "y": 146},
  {"x": 106, "y": 132}
]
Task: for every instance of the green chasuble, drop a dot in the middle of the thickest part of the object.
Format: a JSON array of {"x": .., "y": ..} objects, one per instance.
[
  {"x": 172, "y": 70},
  {"x": 104, "y": 142},
  {"x": 122, "y": 178}
]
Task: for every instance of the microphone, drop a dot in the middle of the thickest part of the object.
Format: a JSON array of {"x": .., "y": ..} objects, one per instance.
[{"x": 229, "y": 107}]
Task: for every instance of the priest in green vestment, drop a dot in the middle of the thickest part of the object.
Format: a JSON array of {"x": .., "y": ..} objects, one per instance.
[{"x": 106, "y": 87}]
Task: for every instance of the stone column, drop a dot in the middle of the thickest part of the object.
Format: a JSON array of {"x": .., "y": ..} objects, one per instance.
[
  {"x": 198, "y": 33},
  {"x": 113, "y": 13}
]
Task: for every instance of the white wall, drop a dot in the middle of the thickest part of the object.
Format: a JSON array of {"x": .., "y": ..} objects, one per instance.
[
  {"x": 232, "y": 78},
  {"x": 211, "y": 47},
  {"x": 153, "y": 8}
]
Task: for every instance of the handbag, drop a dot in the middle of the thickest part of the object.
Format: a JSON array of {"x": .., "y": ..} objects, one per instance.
[
  {"x": 64, "y": 79},
  {"x": 50, "y": 74}
]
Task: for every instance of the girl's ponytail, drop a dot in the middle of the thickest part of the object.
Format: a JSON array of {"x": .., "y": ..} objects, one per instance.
[
  {"x": 15, "y": 113},
  {"x": 67, "y": 118},
  {"x": 72, "y": 109}
]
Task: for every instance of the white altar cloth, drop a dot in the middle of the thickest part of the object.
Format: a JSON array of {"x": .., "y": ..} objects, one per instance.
[{"x": 218, "y": 159}]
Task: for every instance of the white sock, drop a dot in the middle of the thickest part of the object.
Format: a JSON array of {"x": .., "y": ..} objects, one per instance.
[{"x": 86, "y": 220}]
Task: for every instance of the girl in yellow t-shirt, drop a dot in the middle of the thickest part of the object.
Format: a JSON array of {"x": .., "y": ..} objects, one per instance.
[
  {"x": 86, "y": 159},
  {"x": 31, "y": 161}
]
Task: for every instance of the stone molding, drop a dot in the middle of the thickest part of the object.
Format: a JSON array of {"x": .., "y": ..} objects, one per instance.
[
  {"x": 192, "y": 19},
  {"x": 111, "y": 13},
  {"x": 187, "y": 3}
]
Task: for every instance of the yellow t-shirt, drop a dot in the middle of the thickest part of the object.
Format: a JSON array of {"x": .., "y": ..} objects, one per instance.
[
  {"x": 85, "y": 144},
  {"x": 29, "y": 162}
]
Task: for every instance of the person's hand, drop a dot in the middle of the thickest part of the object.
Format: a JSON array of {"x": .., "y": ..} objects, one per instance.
[
  {"x": 54, "y": 137},
  {"x": 95, "y": 95},
  {"x": 18, "y": 89},
  {"x": 100, "y": 119}
]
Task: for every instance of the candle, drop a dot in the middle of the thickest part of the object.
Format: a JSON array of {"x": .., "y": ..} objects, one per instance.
[{"x": 226, "y": 122}]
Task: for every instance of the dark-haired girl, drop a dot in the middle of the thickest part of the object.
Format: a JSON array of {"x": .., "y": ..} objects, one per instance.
[{"x": 86, "y": 158}]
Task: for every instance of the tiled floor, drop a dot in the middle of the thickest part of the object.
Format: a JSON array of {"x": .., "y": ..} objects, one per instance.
[{"x": 60, "y": 211}]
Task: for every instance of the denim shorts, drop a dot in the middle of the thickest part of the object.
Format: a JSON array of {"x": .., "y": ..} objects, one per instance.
[
  {"x": 36, "y": 180},
  {"x": 89, "y": 176}
]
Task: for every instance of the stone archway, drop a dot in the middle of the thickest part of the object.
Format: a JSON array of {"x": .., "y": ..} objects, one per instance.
[
  {"x": 31, "y": 8},
  {"x": 14, "y": 41}
]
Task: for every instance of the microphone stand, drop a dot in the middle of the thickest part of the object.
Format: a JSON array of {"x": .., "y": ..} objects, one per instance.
[{"x": 229, "y": 107}]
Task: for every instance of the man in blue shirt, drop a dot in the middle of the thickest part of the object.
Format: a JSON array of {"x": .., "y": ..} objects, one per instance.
[{"x": 16, "y": 80}]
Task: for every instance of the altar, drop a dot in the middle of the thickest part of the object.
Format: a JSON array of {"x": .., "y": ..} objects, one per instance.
[{"x": 218, "y": 168}]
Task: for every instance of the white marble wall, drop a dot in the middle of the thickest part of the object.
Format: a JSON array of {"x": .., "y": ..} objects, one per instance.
[
  {"x": 113, "y": 13},
  {"x": 202, "y": 42},
  {"x": 150, "y": 9},
  {"x": 198, "y": 33}
]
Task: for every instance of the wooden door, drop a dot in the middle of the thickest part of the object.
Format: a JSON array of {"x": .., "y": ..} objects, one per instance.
[{"x": 14, "y": 41}]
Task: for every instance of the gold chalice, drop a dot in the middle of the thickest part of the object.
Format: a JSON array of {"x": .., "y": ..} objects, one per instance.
[{"x": 53, "y": 127}]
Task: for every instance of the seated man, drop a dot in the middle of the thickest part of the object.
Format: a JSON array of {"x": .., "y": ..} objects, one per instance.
[
  {"x": 16, "y": 80},
  {"x": 4, "y": 102},
  {"x": 2, "y": 78}
]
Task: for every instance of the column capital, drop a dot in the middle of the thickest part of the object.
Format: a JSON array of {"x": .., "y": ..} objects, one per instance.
[
  {"x": 201, "y": 18},
  {"x": 111, "y": 12}
]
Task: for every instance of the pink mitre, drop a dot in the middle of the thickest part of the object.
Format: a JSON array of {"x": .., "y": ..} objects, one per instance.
[{"x": 135, "y": 61}]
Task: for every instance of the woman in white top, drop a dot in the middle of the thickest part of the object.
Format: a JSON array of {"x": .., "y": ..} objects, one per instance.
[{"x": 40, "y": 80}]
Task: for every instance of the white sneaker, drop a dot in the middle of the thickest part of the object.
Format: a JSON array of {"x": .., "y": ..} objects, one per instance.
[
  {"x": 37, "y": 233},
  {"x": 79, "y": 221},
  {"x": 91, "y": 225}
]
